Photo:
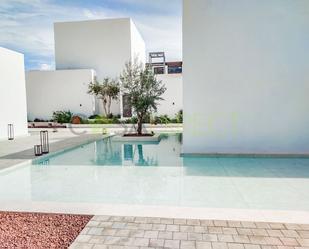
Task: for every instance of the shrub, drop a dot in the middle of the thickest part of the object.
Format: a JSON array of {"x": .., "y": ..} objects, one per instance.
[
  {"x": 179, "y": 117},
  {"x": 62, "y": 116}
]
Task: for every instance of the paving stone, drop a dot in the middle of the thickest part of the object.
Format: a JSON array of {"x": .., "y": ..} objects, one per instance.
[
  {"x": 303, "y": 242},
  {"x": 260, "y": 240},
  {"x": 225, "y": 238},
  {"x": 203, "y": 245},
  {"x": 172, "y": 228},
  {"x": 195, "y": 236},
  {"x": 303, "y": 234},
  {"x": 128, "y": 219},
  {"x": 276, "y": 225},
  {"x": 156, "y": 242},
  {"x": 244, "y": 231},
  {"x": 241, "y": 239},
  {"x": 99, "y": 246},
  {"x": 119, "y": 225},
  {"x": 93, "y": 223},
  {"x": 186, "y": 228},
  {"x": 200, "y": 229},
  {"x": 116, "y": 218},
  {"x": 180, "y": 235},
  {"x": 291, "y": 226},
  {"x": 234, "y": 224},
  {"x": 97, "y": 239},
  {"x": 167, "y": 221},
  {"x": 229, "y": 230},
  {"x": 95, "y": 231},
  {"x": 173, "y": 244},
  {"x": 259, "y": 232},
  {"x": 275, "y": 233},
  {"x": 106, "y": 224},
  {"x": 210, "y": 237},
  {"x": 289, "y": 242},
  {"x": 145, "y": 226},
  {"x": 262, "y": 225},
  {"x": 193, "y": 222},
  {"x": 215, "y": 230},
  {"x": 77, "y": 245},
  {"x": 165, "y": 235},
  {"x": 123, "y": 232},
  {"x": 220, "y": 223},
  {"x": 184, "y": 244},
  {"x": 151, "y": 234},
  {"x": 159, "y": 227},
  {"x": 235, "y": 246},
  {"x": 207, "y": 223},
  {"x": 141, "y": 242},
  {"x": 290, "y": 233},
  {"x": 140, "y": 220},
  {"x": 83, "y": 238},
  {"x": 109, "y": 232},
  {"x": 219, "y": 245},
  {"x": 154, "y": 220},
  {"x": 137, "y": 233},
  {"x": 251, "y": 246},
  {"x": 273, "y": 241},
  {"x": 247, "y": 224},
  {"x": 180, "y": 221}
]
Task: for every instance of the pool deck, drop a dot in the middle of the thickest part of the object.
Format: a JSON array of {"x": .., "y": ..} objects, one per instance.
[
  {"x": 20, "y": 150},
  {"x": 115, "y": 232}
]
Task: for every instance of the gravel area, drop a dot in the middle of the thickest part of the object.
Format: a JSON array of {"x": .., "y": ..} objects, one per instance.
[{"x": 38, "y": 230}]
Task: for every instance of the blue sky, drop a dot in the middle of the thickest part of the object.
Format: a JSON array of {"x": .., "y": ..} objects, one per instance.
[{"x": 27, "y": 25}]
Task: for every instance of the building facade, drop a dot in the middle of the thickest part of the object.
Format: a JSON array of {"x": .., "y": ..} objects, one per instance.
[
  {"x": 13, "y": 105},
  {"x": 84, "y": 49},
  {"x": 246, "y": 76}
]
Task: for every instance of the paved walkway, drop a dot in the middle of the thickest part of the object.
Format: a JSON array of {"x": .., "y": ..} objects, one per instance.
[
  {"x": 21, "y": 149},
  {"x": 110, "y": 232}
]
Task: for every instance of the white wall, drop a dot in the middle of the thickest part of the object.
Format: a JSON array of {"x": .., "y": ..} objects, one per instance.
[
  {"x": 138, "y": 47},
  {"x": 60, "y": 90},
  {"x": 13, "y": 107},
  {"x": 173, "y": 96},
  {"x": 104, "y": 45},
  {"x": 246, "y": 80}
]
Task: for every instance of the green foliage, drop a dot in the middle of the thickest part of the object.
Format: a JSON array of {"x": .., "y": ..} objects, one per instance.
[
  {"x": 62, "y": 116},
  {"x": 107, "y": 91},
  {"x": 179, "y": 117},
  {"x": 143, "y": 90}
]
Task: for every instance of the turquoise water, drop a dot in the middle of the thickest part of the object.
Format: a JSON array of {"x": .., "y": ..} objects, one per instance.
[
  {"x": 167, "y": 152},
  {"x": 154, "y": 174}
]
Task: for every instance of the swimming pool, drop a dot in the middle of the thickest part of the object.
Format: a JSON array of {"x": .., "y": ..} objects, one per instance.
[{"x": 111, "y": 172}]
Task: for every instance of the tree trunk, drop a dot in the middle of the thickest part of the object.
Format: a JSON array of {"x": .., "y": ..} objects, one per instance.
[
  {"x": 109, "y": 105},
  {"x": 140, "y": 126},
  {"x": 104, "y": 106}
]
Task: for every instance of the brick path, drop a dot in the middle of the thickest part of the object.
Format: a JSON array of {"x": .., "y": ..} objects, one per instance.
[{"x": 109, "y": 232}]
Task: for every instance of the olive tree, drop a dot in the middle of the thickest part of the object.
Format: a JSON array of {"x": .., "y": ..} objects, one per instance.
[
  {"x": 143, "y": 90},
  {"x": 108, "y": 90}
]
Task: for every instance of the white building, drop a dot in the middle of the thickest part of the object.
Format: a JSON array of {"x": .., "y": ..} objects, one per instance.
[
  {"x": 246, "y": 85},
  {"x": 88, "y": 49},
  {"x": 103, "y": 46},
  {"x": 13, "y": 107}
]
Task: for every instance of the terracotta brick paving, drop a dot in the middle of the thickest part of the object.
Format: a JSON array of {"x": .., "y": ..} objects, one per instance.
[
  {"x": 110, "y": 232},
  {"x": 39, "y": 231}
]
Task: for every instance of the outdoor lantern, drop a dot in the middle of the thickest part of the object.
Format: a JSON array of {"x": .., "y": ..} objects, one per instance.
[
  {"x": 38, "y": 150},
  {"x": 44, "y": 142},
  {"x": 10, "y": 132}
]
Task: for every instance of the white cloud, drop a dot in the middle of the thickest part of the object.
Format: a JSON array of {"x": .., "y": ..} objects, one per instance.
[
  {"x": 45, "y": 66},
  {"x": 27, "y": 25}
]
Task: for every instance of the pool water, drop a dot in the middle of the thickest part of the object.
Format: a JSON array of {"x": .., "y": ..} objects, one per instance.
[{"x": 111, "y": 172}]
